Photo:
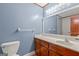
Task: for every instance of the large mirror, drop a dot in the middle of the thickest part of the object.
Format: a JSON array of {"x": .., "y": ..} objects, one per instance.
[
  {"x": 65, "y": 23},
  {"x": 62, "y": 25}
]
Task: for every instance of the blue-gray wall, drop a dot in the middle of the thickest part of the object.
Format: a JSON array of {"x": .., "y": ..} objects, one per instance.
[
  {"x": 25, "y": 16},
  {"x": 50, "y": 25}
]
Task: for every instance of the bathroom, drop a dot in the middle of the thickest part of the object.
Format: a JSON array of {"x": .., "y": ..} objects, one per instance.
[{"x": 24, "y": 21}]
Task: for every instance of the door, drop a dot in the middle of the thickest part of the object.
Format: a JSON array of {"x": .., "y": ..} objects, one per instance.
[
  {"x": 66, "y": 26},
  {"x": 74, "y": 25}
]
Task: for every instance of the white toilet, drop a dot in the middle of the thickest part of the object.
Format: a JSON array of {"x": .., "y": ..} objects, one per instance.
[{"x": 10, "y": 48}]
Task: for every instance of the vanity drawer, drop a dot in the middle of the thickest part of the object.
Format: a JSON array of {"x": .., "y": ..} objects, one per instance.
[
  {"x": 37, "y": 52},
  {"x": 44, "y": 43},
  {"x": 62, "y": 50},
  {"x": 54, "y": 47}
]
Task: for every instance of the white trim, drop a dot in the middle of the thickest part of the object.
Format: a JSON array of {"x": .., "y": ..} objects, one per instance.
[{"x": 30, "y": 54}]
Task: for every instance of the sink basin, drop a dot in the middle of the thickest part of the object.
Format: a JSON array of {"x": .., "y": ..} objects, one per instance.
[
  {"x": 75, "y": 42},
  {"x": 64, "y": 43},
  {"x": 68, "y": 43}
]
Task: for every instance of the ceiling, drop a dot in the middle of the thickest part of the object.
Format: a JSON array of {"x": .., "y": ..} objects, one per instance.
[
  {"x": 70, "y": 12},
  {"x": 41, "y": 4}
]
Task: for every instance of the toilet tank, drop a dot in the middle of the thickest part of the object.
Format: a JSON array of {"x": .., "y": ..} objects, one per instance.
[{"x": 10, "y": 48}]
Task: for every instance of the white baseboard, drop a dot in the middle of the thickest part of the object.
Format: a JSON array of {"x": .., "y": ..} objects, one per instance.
[{"x": 30, "y": 54}]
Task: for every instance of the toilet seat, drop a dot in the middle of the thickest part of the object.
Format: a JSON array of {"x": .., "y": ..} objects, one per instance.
[{"x": 10, "y": 48}]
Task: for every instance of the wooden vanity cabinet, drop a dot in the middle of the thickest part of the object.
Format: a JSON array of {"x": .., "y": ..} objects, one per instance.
[
  {"x": 44, "y": 43},
  {"x": 44, "y": 51},
  {"x": 44, "y": 48},
  {"x": 37, "y": 47},
  {"x": 62, "y": 50},
  {"x": 53, "y": 53},
  {"x": 41, "y": 47}
]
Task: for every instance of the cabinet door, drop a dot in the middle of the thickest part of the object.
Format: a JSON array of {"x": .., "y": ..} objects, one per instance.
[
  {"x": 69, "y": 52},
  {"x": 37, "y": 46},
  {"x": 38, "y": 52},
  {"x": 44, "y": 51},
  {"x": 52, "y": 53},
  {"x": 37, "y": 43}
]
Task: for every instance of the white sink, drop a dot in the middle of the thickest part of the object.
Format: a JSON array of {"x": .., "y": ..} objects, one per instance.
[
  {"x": 64, "y": 43},
  {"x": 75, "y": 42},
  {"x": 68, "y": 43}
]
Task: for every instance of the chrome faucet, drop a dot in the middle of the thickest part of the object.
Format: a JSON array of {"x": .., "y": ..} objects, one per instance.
[{"x": 66, "y": 40}]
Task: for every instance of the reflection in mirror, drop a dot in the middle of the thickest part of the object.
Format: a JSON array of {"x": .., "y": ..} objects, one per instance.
[
  {"x": 62, "y": 25},
  {"x": 69, "y": 25}
]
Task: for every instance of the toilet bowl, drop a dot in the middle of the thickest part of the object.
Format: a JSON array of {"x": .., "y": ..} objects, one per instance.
[{"x": 10, "y": 48}]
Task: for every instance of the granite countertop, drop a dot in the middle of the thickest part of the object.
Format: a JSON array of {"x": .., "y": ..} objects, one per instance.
[{"x": 54, "y": 40}]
